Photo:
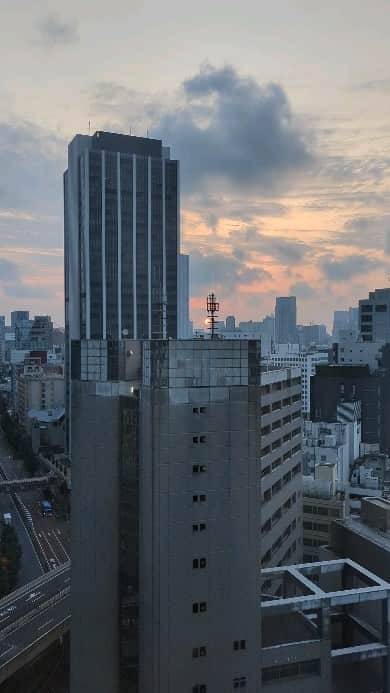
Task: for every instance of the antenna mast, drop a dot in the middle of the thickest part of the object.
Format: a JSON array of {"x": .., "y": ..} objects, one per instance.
[{"x": 212, "y": 312}]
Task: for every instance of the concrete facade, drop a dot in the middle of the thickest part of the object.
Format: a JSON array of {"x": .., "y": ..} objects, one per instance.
[
  {"x": 374, "y": 316},
  {"x": 166, "y": 517},
  {"x": 290, "y": 356},
  {"x": 281, "y": 467}
]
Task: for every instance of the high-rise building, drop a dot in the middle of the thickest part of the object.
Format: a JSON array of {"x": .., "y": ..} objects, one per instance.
[
  {"x": 121, "y": 238},
  {"x": 23, "y": 334},
  {"x": 2, "y": 337},
  {"x": 286, "y": 320},
  {"x": 17, "y": 316},
  {"x": 166, "y": 516},
  {"x": 287, "y": 356},
  {"x": 374, "y": 316},
  {"x": 281, "y": 467},
  {"x": 184, "y": 329},
  {"x": 41, "y": 333}
]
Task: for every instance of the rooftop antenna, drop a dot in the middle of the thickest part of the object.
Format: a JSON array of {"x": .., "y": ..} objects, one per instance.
[{"x": 212, "y": 312}]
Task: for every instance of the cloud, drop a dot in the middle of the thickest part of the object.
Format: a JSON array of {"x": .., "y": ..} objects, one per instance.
[
  {"x": 249, "y": 240},
  {"x": 226, "y": 129},
  {"x": 221, "y": 272},
  {"x": 54, "y": 31},
  {"x": 233, "y": 129},
  {"x": 368, "y": 232},
  {"x": 373, "y": 85},
  {"x": 339, "y": 269},
  {"x": 8, "y": 271},
  {"x": 303, "y": 290}
]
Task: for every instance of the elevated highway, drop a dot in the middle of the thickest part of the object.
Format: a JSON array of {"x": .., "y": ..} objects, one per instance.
[{"x": 32, "y": 618}]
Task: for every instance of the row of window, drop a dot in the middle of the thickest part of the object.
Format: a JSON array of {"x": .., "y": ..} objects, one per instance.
[
  {"x": 238, "y": 682},
  {"x": 276, "y": 546},
  {"x": 202, "y": 650},
  {"x": 313, "y": 542},
  {"x": 275, "y": 387},
  {"x": 279, "y": 442},
  {"x": 319, "y": 510},
  {"x": 316, "y": 527},
  {"x": 276, "y": 406},
  {"x": 289, "y": 671}
]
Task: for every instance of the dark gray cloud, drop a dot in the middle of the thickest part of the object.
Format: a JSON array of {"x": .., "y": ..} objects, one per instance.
[
  {"x": 53, "y": 31},
  {"x": 231, "y": 128},
  {"x": 372, "y": 232},
  {"x": 249, "y": 240},
  {"x": 221, "y": 272},
  {"x": 339, "y": 269}
]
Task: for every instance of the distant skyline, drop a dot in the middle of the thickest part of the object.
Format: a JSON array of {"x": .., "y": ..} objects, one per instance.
[{"x": 278, "y": 114}]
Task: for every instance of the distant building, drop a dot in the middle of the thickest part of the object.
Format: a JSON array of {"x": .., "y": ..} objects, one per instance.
[
  {"x": 286, "y": 320},
  {"x": 350, "y": 350},
  {"x": 2, "y": 338},
  {"x": 230, "y": 323},
  {"x": 38, "y": 388},
  {"x": 183, "y": 298},
  {"x": 19, "y": 316},
  {"x": 325, "y": 499},
  {"x": 23, "y": 334},
  {"x": 312, "y": 335},
  {"x": 335, "y": 384},
  {"x": 41, "y": 333},
  {"x": 335, "y": 442},
  {"x": 345, "y": 320},
  {"x": 291, "y": 356},
  {"x": 374, "y": 316}
]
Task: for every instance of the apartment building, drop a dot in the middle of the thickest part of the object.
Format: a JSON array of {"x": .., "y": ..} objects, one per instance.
[{"x": 281, "y": 467}]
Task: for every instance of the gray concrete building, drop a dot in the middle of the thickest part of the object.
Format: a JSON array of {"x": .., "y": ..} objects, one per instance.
[
  {"x": 281, "y": 467},
  {"x": 374, "y": 316},
  {"x": 326, "y": 630},
  {"x": 166, "y": 515},
  {"x": 286, "y": 320}
]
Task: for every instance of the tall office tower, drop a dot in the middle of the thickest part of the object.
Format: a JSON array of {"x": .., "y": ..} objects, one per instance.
[
  {"x": 17, "y": 316},
  {"x": 122, "y": 233},
  {"x": 374, "y": 316},
  {"x": 23, "y": 334},
  {"x": 41, "y": 333},
  {"x": 286, "y": 320},
  {"x": 121, "y": 238},
  {"x": 166, "y": 517},
  {"x": 184, "y": 330}
]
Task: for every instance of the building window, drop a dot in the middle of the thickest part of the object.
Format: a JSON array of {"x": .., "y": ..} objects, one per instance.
[
  {"x": 199, "y": 652},
  {"x": 296, "y": 670},
  {"x": 199, "y": 607},
  {"x": 239, "y": 645},
  {"x": 199, "y": 468},
  {"x": 239, "y": 682},
  {"x": 199, "y": 498},
  {"x": 199, "y": 688},
  {"x": 199, "y": 563},
  {"x": 199, "y": 527}
]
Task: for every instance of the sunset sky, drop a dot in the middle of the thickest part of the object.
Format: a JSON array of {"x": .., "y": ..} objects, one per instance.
[{"x": 279, "y": 113}]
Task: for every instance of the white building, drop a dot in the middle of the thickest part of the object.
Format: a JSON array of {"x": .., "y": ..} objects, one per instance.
[
  {"x": 332, "y": 443},
  {"x": 351, "y": 350},
  {"x": 289, "y": 355}
]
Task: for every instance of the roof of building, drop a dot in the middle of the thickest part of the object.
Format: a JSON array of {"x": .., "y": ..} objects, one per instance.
[{"x": 47, "y": 415}]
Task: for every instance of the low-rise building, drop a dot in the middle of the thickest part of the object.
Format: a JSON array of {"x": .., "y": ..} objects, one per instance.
[
  {"x": 324, "y": 500},
  {"x": 38, "y": 388}
]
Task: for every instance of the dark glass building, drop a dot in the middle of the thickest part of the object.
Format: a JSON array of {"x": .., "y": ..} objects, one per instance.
[{"x": 121, "y": 238}]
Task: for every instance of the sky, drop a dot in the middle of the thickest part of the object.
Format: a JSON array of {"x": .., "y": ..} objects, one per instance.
[{"x": 278, "y": 112}]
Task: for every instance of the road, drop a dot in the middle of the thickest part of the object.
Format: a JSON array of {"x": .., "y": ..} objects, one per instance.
[
  {"x": 53, "y": 533},
  {"x": 30, "y": 566},
  {"x": 32, "y": 612}
]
